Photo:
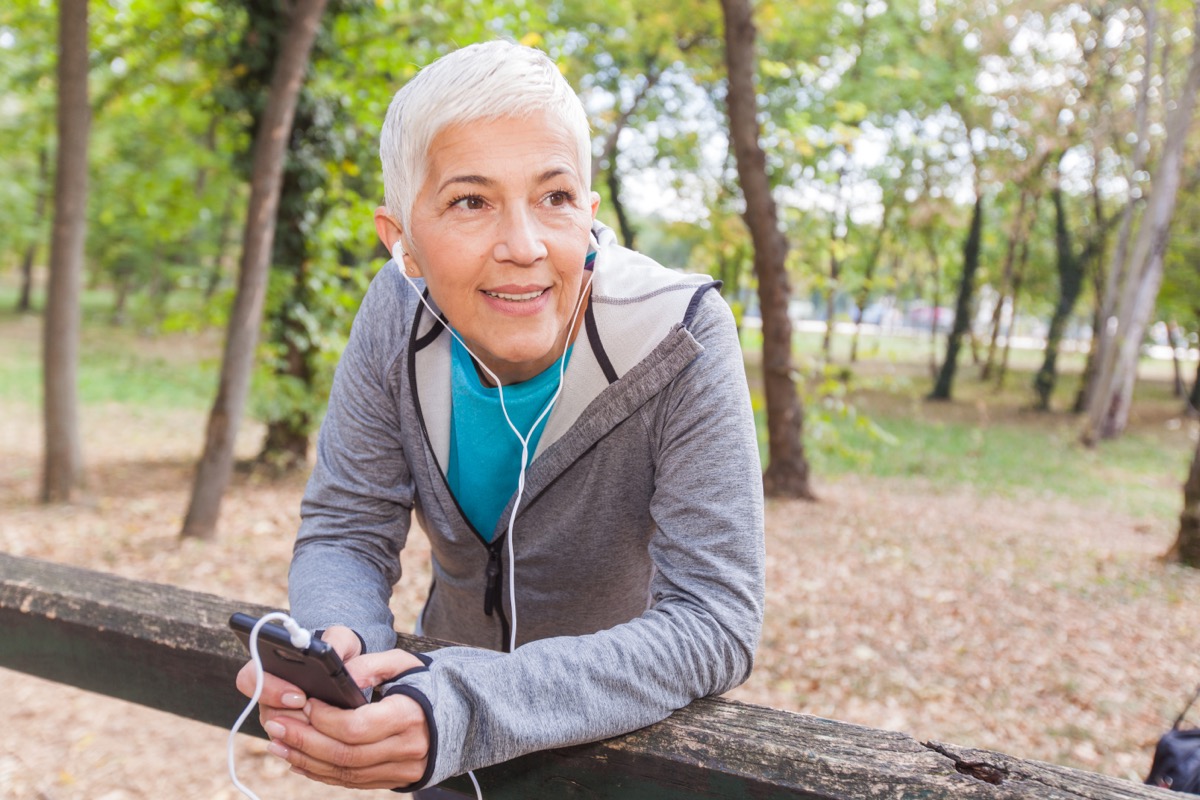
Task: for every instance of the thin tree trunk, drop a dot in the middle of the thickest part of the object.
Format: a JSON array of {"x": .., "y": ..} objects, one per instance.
[
  {"x": 270, "y": 147},
  {"x": 935, "y": 300},
  {"x": 608, "y": 151},
  {"x": 835, "y": 274},
  {"x": 864, "y": 293},
  {"x": 25, "y": 294},
  {"x": 1186, "y": 549},
  {"x": 1104, "y": 334},
  {"x": 1193, "y": 405},
  {"x": 1099, "y": 287},
  {"x": 1176, "y": 340},
  {"x": 224, "y": 240},
  {"x": 1108, "y": 413},
  {"x": 1018, "y": 280},
  {"x": 25, "y": 298},
  {"x": 962, "y": 310},
  {"x": 614, "y": 195},
  {"x": 787, "y": 469},
  {"x": 972, "y": 338},
  {"x": 1006, "y": 277},
  {"x": 63, "y": 465},
  {"x": 1070, "y": 283}
]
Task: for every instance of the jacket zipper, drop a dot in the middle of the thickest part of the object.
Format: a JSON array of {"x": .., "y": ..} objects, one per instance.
[{"x": 493, "y": 593}]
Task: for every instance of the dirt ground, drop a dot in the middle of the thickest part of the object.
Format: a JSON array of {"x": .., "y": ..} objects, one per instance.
[{"x": 1034, "y": 626}]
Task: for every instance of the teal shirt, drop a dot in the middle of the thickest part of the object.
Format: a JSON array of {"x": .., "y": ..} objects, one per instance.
[{"x": 485, "y": 455}]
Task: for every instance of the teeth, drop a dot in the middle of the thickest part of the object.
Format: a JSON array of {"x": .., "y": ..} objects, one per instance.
[{"x": 515, "y": 297}]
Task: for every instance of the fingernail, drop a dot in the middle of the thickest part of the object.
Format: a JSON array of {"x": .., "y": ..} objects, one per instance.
[
  {"x": 276, "y": 749},
  {"x": 293, "y": 700},
  {"x": 275, "y": 730}
]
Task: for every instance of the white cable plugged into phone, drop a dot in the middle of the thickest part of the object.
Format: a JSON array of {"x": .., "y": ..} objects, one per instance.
[{"x": 300, "y": 638}]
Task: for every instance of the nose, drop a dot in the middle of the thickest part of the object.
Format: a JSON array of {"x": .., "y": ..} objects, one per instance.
[{"x": 519, "y": 239}]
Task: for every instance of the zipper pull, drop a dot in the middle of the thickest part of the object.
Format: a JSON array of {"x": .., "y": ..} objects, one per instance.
[{"x": 492, "y": 590}]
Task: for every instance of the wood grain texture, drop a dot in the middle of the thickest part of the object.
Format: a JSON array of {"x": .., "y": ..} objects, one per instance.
[{"x": 171, "y": 649}]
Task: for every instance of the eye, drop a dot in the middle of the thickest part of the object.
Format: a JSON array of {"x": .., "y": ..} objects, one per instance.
[
  {"x": 471, "y": 202},
  {"x": 559, "y": 198}
]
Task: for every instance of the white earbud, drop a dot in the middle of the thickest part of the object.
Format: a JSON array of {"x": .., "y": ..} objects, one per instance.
[{"x": 398, "y": 251}]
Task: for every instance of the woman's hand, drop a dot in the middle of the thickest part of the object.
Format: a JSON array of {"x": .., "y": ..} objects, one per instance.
[
  {"x": 377, "y": 746},
  {"x": 282, "y": 699}
]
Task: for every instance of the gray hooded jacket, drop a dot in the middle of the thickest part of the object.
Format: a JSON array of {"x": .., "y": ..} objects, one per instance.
[{"x": 639, "y": 540}]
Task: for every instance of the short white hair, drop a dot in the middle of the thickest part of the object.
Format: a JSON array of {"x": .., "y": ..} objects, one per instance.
[{"x": 485, "y": 81}]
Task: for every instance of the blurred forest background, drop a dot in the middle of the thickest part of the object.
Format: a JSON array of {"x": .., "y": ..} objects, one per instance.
[{"x": 969, "y": 309}]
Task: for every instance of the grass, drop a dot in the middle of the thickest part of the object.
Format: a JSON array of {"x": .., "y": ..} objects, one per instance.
[
  {"x": 873, "y": 418},
  {"x": 116, "y": 365}
]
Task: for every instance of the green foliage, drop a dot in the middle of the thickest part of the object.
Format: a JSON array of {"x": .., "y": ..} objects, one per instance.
[{"x": 910, "y": 103}]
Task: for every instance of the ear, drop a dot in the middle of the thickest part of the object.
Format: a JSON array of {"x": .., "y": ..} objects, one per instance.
[
  {"x": 390, "y": 233},
  {"x": 595, "y": 203}
]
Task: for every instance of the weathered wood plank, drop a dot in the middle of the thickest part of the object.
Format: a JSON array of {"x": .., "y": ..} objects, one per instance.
[{"x": 170, "y": 649}]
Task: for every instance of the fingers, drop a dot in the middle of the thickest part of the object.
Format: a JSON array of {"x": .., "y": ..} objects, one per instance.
[
  {"x": 378, "y": 746},
  {"x": 276, "y": 691},
  {"x": 373, "y": 669},
  {"x": 395, "y": 716},
  {"x": 266, "y": 714},
  {"x": 343, "y": 640}
]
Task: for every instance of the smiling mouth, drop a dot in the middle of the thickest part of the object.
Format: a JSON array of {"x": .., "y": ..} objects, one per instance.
[{"x": 516, "y": 298}]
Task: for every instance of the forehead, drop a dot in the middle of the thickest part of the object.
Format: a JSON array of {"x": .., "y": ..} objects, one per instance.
[{"x": 503, "y": 149}]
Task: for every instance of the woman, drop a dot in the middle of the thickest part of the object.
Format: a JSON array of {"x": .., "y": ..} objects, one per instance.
[{"x": 621, "y": 554}]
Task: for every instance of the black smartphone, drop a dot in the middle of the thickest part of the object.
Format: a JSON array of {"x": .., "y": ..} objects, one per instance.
[{"x": 317, "y": 670}]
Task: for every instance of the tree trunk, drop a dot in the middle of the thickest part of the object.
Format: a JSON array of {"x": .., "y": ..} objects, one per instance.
[
  {"x": 935, "y": 303},
  {"x": 25, "y": 297},
  {"x": 614, "y": 195},
  {"x": 962, "y": 310},
  {"x": 1070, "y": 283},
  {"x": 1019, "y": 232},
  {"x": 1116, "y": 374},
  {"x": 63, "y": 465},
  {"x": 864, "y": 293},
  {"x": 224, "y": 239},
  {"x": 1099, "y": 288},
  {"x": 1193, "y": 404},
  {"x": 1018, "y": 281},
  {"x": 270, "y": 146},
  {"x": 1186, "y": 549},
  {"x": 1177, "y": 341},
  {"x": 25, "y": 293},
  {"x": 1104, "y": 334},
  {"x": 787, "y": 469},
  {"x": 835, "y": 275}
]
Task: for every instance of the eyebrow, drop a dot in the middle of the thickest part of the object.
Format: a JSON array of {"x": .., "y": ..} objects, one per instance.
[{"x": 481, "y": 180}]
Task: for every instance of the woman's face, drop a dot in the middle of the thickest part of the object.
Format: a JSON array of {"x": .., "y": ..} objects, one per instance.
[{"x": 499, "y": 230}]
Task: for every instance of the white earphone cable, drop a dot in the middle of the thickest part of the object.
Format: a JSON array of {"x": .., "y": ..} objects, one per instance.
[
  {"x": 398, "y": 254},
  {"x": 300, "y": 638}
]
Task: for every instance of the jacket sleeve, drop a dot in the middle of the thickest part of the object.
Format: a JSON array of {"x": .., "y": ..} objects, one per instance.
[
  {"x": 700, "y": 633},
  {"x": 357, "y": 506}
]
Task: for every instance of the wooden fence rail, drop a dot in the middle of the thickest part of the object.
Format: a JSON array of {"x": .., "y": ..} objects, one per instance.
[{"x": 170, "y": 649}]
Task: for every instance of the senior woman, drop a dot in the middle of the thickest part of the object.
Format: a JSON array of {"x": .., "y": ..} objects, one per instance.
[{"x": 570, "y": 423}]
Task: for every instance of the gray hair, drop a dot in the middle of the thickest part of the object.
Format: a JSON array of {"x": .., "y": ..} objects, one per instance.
[{"x": 489, "y": 80}]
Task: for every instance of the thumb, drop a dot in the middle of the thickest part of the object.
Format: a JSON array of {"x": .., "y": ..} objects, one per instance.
[{"x": 372, "y": 669}]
